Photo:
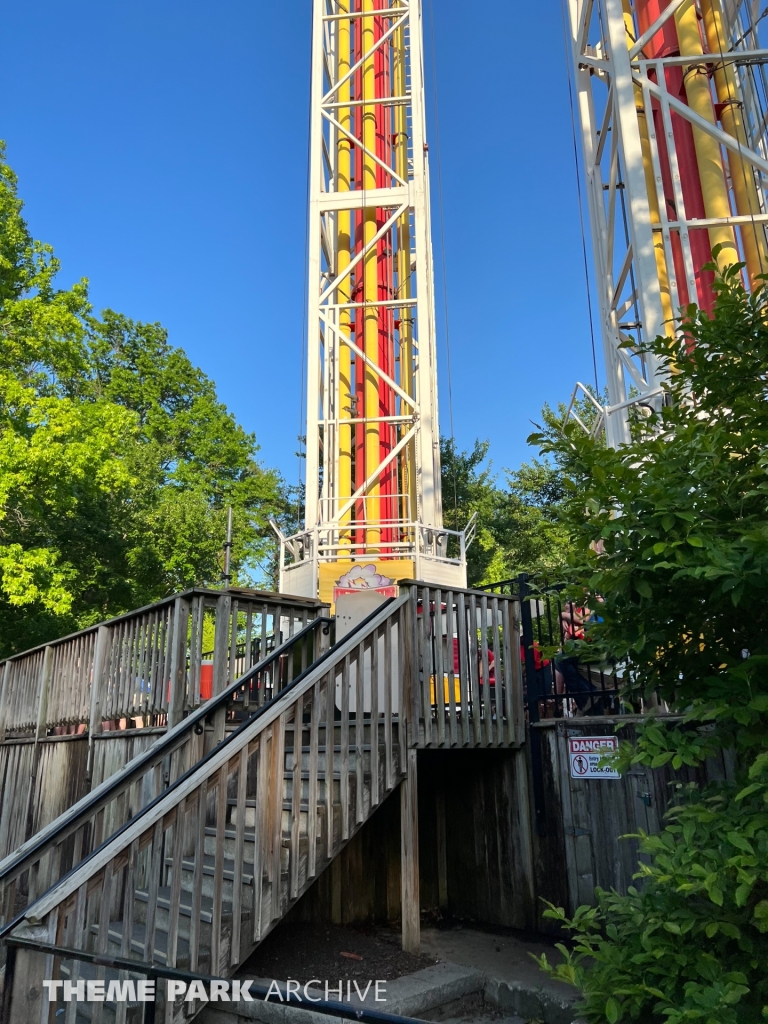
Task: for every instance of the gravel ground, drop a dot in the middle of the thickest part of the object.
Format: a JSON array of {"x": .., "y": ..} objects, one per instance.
[{"x": 304, "y": 951}]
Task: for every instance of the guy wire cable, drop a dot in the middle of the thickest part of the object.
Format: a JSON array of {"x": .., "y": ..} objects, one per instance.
[
  {"x": 581, "y": 204},
  {"x": 442, "y": 254},
  {"x": 305, "y": 301}
]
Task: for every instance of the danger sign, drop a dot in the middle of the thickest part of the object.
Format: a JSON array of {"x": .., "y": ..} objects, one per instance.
[{"x": 586, "y": 753}]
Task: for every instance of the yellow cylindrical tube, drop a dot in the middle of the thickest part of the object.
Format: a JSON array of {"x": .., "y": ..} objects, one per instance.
[
  {"x": 731, "y": 117},
  {"x": 711, "y": 173},
  {"x": 650, "y": 186},
  {"x": 343, "y": 258},
  {"x": 370, "y": 279}
]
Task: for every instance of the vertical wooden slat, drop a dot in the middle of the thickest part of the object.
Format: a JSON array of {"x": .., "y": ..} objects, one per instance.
[
  {"x": 473, "y": 670},
  {"x": 237, "y": 885},
  {"x": 263, "y": 651},
  {"x": 4, "y": 699},
  {"x": 218, "y": 869},
  {"x": 330, "y": 704},
  {"x": 484, "y": 661},
  {"x": 359, "y": 731},
  {"x": 518, "y": 698},
  {"x": 289, "y": 666},
  {"x": 126, "y": 668},
  {"x": 262, "y": 824},
  {"x": 295, "y": 824},
  {"x": 305, "y": 642},
  {"x": 402, "y": 634},
  {"x": 177, "y": 866},
  {"x": 449, "y": 631},
  {"x": 154, "y": 882},
  {"x": 102, "y": 939},
  {"x": 98, "y": 685},
  {"x": 499, "y": 730},
  {"x": 437, "y": 630},
  {"x": 132, "y": 703},
  {"x": 376, "y": 640},
  {"x": 154, "y": 659},
  {"x": 197, "y": 879},
  {"x": 312, "y": 801},
  {"x": 344, "y": 751},
  {"x": 511, "y": 655},
  {"x": 278, "y": 777},
  {"x": 424, "y": 661},
  {"x": 78, "y": 927},
  {"x": 143, "y": 683},
  {"x": 233, "y": 673},
  {"x": 249, "y": 658}
]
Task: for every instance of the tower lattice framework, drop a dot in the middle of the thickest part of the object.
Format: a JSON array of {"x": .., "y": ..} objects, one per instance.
[
  {"x": 672, "y": 103},
  {"x": 373, "y": 500}
]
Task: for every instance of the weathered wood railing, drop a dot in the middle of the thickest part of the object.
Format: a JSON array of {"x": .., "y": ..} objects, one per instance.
[
  {"x": 469, "y": 690},
  {"x": 68, "y": 840},
  {"x": 204, "y": 872},
  {"x": 113, "y": 687}
]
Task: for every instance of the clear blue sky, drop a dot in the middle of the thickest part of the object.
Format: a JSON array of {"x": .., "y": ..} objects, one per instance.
[{"x": 161, "y": 148}]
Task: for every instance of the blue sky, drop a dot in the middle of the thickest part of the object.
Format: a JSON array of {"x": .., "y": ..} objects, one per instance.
[{"x": 161, "y": 148}]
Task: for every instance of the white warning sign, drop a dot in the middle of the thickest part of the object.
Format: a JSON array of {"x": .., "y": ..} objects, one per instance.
[{"x": 586, "y": 753}]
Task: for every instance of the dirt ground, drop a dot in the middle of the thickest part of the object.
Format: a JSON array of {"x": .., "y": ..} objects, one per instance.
[{"x": 304, "y": 951}]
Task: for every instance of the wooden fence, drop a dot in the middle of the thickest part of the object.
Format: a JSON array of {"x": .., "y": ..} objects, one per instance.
[{"x": 77, "y": 710}]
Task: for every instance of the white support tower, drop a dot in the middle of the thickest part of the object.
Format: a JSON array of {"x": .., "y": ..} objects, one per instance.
[
  {"x": 373, "y": 501},
  {"x": 672, "y": 100}
]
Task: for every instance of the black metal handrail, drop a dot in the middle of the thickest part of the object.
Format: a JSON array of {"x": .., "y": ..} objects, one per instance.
[
  {"x": 162, "y": 748},
  {"x": 257, "y": 990}
]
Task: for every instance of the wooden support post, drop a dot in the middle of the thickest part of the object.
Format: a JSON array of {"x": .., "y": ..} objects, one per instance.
[
  {"x": 181, "y": 609},
  {"x": 95, "y": 722},
  {"x": 221, "y": 643},
  {"x": 42, "y": 694},
  {"x": 4, "y": 698},
  {"x": 442, "y": 852},
  {"x": 409, "y": 856}
]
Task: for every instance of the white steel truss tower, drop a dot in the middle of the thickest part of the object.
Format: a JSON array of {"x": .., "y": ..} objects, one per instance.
[
  {"x": 672, "y": 99},
  {"x": 373, "y": 501}
]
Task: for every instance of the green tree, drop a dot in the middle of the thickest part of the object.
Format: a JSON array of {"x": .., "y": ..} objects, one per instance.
[
  {"x": 117, "y": 460},
  {"x": 681, "y": 513},
  {"x": 517, "y": 525}
]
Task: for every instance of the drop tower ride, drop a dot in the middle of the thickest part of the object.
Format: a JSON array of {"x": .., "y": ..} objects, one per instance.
[
  {"x": 672, "y": 104},
  {"x": 373, "y": 500}
]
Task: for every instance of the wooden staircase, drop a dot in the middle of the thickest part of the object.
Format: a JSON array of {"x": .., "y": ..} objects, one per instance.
[{"x": 201, "y": 875}]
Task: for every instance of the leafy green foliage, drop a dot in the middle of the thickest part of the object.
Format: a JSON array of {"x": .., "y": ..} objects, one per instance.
[
  {"x": 117, "y": 461},
  {"x": 681, "y": 577},
  {"x": 517, "y": 527},
  {"x": 691, "y": 943}
]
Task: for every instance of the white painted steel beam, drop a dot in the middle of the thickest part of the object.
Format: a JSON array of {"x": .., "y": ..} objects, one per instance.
[{"x": 614, "y": 79}]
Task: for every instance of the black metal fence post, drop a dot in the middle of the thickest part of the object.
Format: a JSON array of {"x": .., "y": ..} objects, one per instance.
[{"x": 533, "y": 687}]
